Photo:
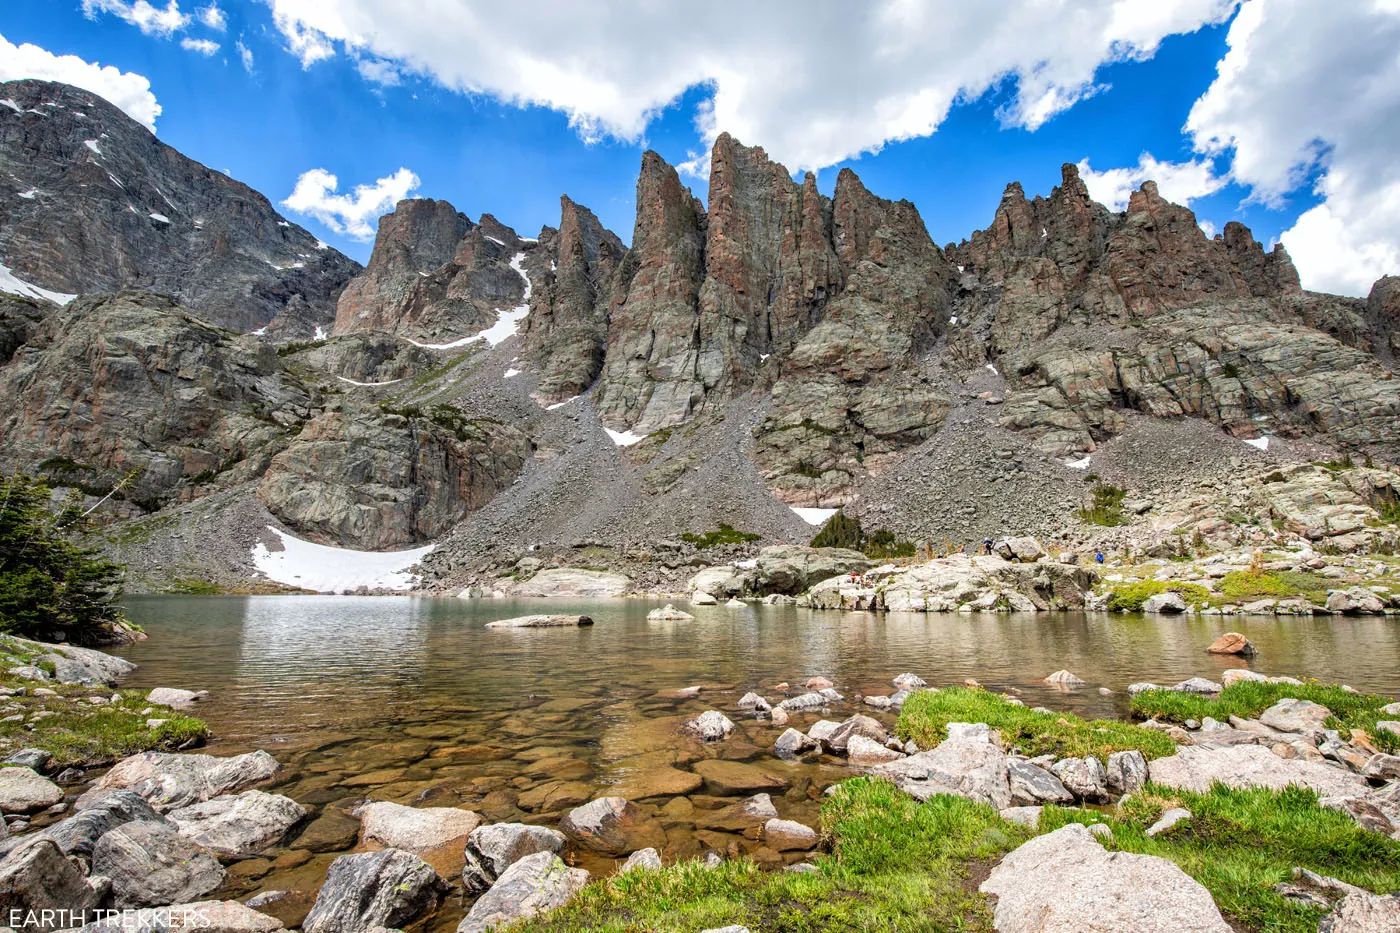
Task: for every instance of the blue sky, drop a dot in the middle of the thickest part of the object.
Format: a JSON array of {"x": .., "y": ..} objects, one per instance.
[{"x": 283, "y": 116}]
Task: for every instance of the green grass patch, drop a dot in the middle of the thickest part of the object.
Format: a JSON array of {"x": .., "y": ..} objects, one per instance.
[
  {"x": 1240, "y": 843},
  {"x": 1129, "y": 597},
  {"x": 926, "y": 715},
  {"x": 82, "y": 734},
  {"x": 1244, "y": 586},
  {"x": 1248, "y": 698},
  {"x": 725, "y": 534},
  {"x": 895, "y": 864}
]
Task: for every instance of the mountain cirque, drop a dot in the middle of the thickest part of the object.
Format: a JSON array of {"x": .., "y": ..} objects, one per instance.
[{"x": 773, "y": 347}]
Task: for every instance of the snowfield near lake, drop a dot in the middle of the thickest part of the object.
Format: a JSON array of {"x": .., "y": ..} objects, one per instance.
[
  {"x": 813, "y": 516},
  {"x": 328, "y": 569}
]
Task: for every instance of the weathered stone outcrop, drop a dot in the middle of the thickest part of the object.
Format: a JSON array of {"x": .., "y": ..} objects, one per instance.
[
  {"x": 949, "y": 584},
  {"x": 433, "y": 273},
  {"x": 849, "y": 393},
  {"x": 1224, "y": 364},
  {"x": 566, "y": 333},
  {"x": 92, "y": 201},
  {"x": 1383, "y": 316},
  {"x": 371, "y": 479},
  {"x": 132, "y": 382},
  {"x": 649, "y": 377}
]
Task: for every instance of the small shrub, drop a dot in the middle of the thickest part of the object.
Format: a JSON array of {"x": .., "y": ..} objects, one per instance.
[
  {"x": 725, "y": 534},
  {"x": 840, "y": 530},
  {"x": 1106, "y": 507}
]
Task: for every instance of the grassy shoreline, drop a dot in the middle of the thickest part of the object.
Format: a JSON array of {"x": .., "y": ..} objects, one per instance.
[{"x": 892, "y": 863}]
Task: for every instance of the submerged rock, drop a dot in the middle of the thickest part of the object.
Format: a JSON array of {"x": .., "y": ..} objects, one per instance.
[
  {"x": 613, "y": 826},
  {"x": 1066, "y": 882}
]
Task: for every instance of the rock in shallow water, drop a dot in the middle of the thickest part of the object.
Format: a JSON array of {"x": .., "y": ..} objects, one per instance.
[
  {"x": 542, "y": 621},
  {"x": 416, "y": 829},
  {"x": 1066, "y": 882},
  {"x": 239, "y": 825},
  {"x": 534, "y": 884},
  {"x": 613, "y": 826},
  {"x": 374, "y": 889}
]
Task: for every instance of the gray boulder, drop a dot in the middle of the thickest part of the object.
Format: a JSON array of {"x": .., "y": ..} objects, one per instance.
[
  {"x": 641, "y": 860},
  {"x": 152, "y": 865},
  {"x": 389, "y": 888},
  {"x": 416, "y": 829},
  {"x": 963, "y": 765},
  {"x": 1195, "y": 767},
  {"x": 1165, "y": 603},
  {"x": 1032, "y": 785},
  {"x": 790, "y": 569},
  {"x": 792, "y": 743},
  {"x": 542, "y": 621},
  {"x": 78, "y": 834},
  {"x": 1083, "y": 777},
  {"x": 24, "y": 790},
  {"x": 613, "y": 826},
  {"x": 239, "y": 825},
  {"x": 854, "y": 726},
  {"x": 38, "y": 877},
  {"x": 492, "y": 849},
  {"x": 1066, "y": 882},
  {"x": 532, "y": 885},
  {"x": 1363, "y": 912},
  {"x": 172, "y": 781},
  {"x": 1127, "y": 772},
  {"x": 1290, "y": 715},
  {"x": 711, "y": 725}
]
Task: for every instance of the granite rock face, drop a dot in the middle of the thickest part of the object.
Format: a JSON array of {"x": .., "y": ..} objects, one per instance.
[
  {"x": 132, "y": 381},
  {"x": 566, "y": 333},
  {"x": 93, "y": 202},
  {"x": 372, "y": 479}
]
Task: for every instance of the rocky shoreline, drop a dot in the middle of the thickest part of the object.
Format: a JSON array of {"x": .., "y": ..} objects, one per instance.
[{"x": 179, "y": 834}]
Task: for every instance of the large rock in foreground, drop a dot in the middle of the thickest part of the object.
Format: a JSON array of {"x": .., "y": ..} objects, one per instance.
[
  {"x": 39, "y": 877},
  {"x": 532, "y": 885},
  {"x": 172, "y": 781},
  {"x": 1066, "y": 882},
  {"x": 374, "y": 889},
  {"x": 151, "y": 865},
  {"x": 492, "y": 849}
]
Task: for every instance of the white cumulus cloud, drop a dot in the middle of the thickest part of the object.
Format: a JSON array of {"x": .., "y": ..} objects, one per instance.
[
  {"x": 151, "y": 20},
  {"x": 1181, "y": 182},
  {"x": 1313, "y": 89},
  {"x": 213, "y": 17},
  {"x": 814, "y": 81},
  {"x": 202, "y": 46},
  {"x": 351, "y": 214},
  {"x": 126, "y": 89}
]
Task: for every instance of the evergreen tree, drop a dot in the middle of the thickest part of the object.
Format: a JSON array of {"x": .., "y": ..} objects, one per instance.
[{"x": 51, "y": 588}]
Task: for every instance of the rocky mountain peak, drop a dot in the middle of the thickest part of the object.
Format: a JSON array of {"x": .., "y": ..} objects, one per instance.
[
  {"x": 91, "y": 200},
  {"x": 418, "y": 236}
]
